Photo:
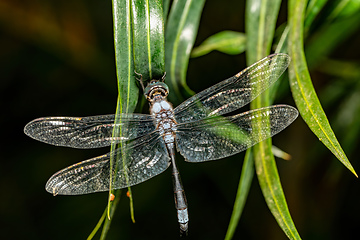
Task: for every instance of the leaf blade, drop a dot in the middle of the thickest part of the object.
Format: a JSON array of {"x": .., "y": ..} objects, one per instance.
[
  {"x": 247, "y": 174},
  {"x": 180, "y": 34},
  {"x": 131, "y": 22},
  {"x": 303, "y": 91},
  {"x": 260, "y": 28},
  {"x": 149, "y": 55},
  {"x": 127, "y": 89},
  {"x": 229, "y": 42}
]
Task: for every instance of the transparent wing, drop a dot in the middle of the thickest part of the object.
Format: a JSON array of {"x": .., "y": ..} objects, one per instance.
[
  {"x": 218, "y": 137},
  {"x": 88, "y": 132},
  {"x": 234, "y": 92},
  {"x": 145, "y": 158}
]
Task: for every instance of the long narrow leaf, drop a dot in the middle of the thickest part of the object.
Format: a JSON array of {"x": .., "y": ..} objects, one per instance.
[
  {"x": 247, "y": 175},
  {"x": 166, "y": 6},
  {"x": 102, "y": 220},
  {"x": 148, "y": 46},
  {"x": 128, "y": 91},
  {"x": 229, "y": 42},
  {"x": 107, "y": 222},
  {"x": 148, "y": 38},
  {"x": 261, "y": 18},
  {"x": 181, "y": 30},
  {"x": 131, "y": 47},
  {"x": 98, "y": 225},
  {"x": 303, "y": 91}
]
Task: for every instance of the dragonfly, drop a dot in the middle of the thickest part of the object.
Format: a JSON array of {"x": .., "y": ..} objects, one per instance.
[{"x": 196, "y": 128}]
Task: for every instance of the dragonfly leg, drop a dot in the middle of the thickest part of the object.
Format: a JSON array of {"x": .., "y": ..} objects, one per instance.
[
  {"x": 163, "y": 77},
  {"x": 139, "y": 78}
]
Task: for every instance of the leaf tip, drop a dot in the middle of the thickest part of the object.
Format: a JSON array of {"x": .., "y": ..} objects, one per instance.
[{"x": 352, "y": 170}]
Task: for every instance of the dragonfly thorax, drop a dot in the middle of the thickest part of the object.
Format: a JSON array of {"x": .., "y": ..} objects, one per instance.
[
  {"x": 162, "y": 110},
  {"x": 165, "y": 122}
]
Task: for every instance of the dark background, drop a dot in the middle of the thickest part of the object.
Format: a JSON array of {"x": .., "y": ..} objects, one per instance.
[{"x": 57, "y": 59}]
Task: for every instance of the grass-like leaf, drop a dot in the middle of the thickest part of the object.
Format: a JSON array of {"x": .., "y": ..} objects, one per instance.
[
  {"x": 127, "y": 89},
  {"x": 260, "y": 20},
  {"x": 133, "y": 52},
  {"x": 103, "y": 219},
  {"x": 260, "y": 23},
  {"x": 246, "y": 177},
  {"x": 229, "y": 42},
  {"x": 148, "y": 46},
  {"x": 302, "y": 88},
  {"x": 148, "y": 38},
  {"x": 108, "y": 220},
  {"x": 181, "y": 30}
]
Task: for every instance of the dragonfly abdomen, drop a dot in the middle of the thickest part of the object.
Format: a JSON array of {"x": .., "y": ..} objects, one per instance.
[{"x": 166, "y": 125}]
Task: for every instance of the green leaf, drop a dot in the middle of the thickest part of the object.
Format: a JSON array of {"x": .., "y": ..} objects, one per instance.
[
  {"x": 282, "y": 44},
  {"x": 229, "y": 42},
  {"x": 271, "y": 187},
  {"x": 166, "y": 6},
  {"x": 107, "y": 222},
  {"x": 148, "y": 46},
  {"x": 246, "y": 177},
  {"x": 98, "y": 225},
  {"x": 260, "y": 20},
  {"x": 302, "y": 89},
  {"x": 148, "y": 38},
  {"x": 126, "y": 83},
  {"x": 312, "y": 11},
  {"x": 180, "y": 34},
  {"x": 128, "y": 91},
  {"x": 260, "y": 23},
  {"x": 101, "y": 220},
  {"x": 139, "y": 46}
]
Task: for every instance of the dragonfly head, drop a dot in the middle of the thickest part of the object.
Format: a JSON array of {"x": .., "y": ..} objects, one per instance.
[{"x": 156, "y": 90}]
